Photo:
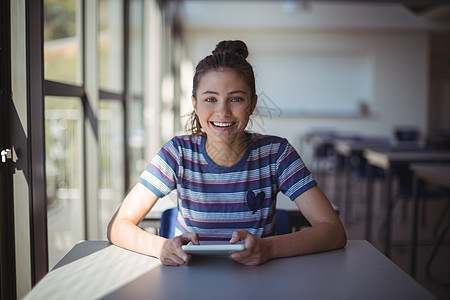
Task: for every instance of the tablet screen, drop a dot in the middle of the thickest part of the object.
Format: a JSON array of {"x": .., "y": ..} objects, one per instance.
[{"x": 213, "y": 248}]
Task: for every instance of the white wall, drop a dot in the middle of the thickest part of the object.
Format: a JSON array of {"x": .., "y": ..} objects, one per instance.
[{"x": 400, "y": 60}]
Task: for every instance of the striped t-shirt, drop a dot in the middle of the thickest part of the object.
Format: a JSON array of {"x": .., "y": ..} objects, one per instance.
[{"x": 215, "y": 201}]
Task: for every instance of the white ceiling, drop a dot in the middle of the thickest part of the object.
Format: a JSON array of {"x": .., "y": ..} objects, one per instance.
[{"x": 296, "y": 14}]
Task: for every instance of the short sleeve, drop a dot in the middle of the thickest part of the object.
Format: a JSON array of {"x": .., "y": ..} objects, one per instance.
[
  {"x": 294, "y": 178},
  {"x": 160, "y": 175}
]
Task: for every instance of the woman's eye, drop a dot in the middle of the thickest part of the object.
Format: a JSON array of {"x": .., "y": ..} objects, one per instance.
[
  {"x": 237, "y": 99},
  {"x": 210, "y": 99}
]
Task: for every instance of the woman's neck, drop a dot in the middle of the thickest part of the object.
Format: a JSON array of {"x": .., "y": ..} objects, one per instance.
[{"x": 227, "y": 154}]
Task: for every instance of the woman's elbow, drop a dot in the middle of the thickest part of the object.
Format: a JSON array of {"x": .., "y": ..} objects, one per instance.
[
  {"x": 110, "y": 229},
  {"x": 340, "y": 239},
  {"x": 108, "y": 232}
]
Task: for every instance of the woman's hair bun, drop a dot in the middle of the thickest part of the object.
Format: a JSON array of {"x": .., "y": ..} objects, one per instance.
[{"x": 238, "y": 47}]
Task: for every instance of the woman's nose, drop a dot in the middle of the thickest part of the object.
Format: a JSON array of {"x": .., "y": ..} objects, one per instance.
[{"x": 223, "y": 109}]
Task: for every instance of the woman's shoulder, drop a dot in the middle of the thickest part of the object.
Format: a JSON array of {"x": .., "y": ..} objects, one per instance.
[
  {"x": 189, "y": 138},
  {"x": 186, "y": 141},
  {"x": 265, "y": 139}
]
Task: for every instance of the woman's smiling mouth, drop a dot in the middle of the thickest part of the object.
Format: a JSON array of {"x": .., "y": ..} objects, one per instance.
[{"x": 222, "y": 124}]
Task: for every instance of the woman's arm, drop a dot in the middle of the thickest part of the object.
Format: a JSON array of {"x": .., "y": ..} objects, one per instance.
[
  {"x": 326, "y": 233},
  {"x": 124, "y": 232}
]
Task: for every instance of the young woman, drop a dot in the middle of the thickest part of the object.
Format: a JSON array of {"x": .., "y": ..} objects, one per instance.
[{"x": 227, "y": 179}]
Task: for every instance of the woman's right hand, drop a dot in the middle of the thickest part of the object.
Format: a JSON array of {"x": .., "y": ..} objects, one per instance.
[{"x": 172, "y": 254}]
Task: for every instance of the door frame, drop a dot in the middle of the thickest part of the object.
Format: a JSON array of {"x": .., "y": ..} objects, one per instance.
[{"x": 7, "y": 253}]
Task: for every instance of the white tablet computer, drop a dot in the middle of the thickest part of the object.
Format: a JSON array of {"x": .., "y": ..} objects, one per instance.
[{"x": 213, "y": 248}]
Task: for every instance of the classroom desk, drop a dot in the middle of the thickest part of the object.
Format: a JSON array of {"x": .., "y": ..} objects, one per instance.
[
  {"x": 349, "y": 149},
  {"x": 389, "y": 160},
  {"x": 99, "y": 270},
  {"x": 323, "y": 145},
  {"x": 432, "y": 173}
]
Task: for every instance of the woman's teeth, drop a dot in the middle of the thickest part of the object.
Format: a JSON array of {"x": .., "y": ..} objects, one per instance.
[{"x": 222, "y": 124}]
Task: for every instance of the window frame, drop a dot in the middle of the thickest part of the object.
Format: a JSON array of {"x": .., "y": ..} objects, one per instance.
[
  {"x": 36, "y": 133},
  {"x": 7, "y": 253},
  {"x": 25, "y": 35},
  {"x": 90, "y": 93}
]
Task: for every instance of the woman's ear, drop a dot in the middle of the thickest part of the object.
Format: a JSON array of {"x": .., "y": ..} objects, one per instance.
[
  {"x": 194, "y": 103},
  {"x": 253, "y": 105}
]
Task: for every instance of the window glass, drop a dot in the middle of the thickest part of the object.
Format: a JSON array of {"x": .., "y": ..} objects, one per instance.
[
  {"x": 110, "y": 45},
  {"x": 112, "y": 170},
  {"x": 136, "y": 135},
  {"x": 63, "y": 149},
  {"x": 136, "y": 47},
  {"x": 136, "y": 139},
  {"x": 62, "y": 47}
]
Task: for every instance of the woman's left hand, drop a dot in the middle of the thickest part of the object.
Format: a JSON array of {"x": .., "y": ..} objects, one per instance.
[{"x": 256, "y": 251}]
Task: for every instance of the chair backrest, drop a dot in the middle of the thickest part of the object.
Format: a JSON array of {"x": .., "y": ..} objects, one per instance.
[
  {"x": 169, "y": 218},
  {"x": 406, "y": 133},
  {"x": 283, "y": 225}
]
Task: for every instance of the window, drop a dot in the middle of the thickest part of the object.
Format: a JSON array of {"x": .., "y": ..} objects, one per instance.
[
  {"x": 136, "y": 130},
  {"x": 111, "y": 45},
  {"x": 62, "y": 41},
  {"x": 64, "y": 137},
  {"x": 76, "y": 122},
  {"x": 112, "y": 150},
  {"x": 112, "y": 162},
  {"x": 91, "y": 144},
  {"x": 64, "y": 148}
]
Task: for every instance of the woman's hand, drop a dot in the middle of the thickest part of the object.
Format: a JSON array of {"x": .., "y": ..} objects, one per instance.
[
  {"x": 172, "y": 254},
  {"x": 256, "y": 251}
]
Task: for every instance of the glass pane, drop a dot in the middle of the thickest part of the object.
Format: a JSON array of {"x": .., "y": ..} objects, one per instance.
[
  {"x": 136, "y": 134},
  {"x": 112, "y": 157},
  {"x": 110, "y": 45},
  {"x": 136, "y": 139},
  {"x": 62, "y": 46},
  {"x": 63, "y": 147},
  {"x": 136, "y": 47}
]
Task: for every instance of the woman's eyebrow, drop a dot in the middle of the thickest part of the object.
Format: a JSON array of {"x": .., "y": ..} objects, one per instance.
[
  {"x": 229, "y": 93},
  {"x": 237, "y": 92},
  {"x": 210, "y": 92}
]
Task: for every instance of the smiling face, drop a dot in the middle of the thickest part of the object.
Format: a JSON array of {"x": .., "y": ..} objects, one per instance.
[{"x": 223, "y": 105}]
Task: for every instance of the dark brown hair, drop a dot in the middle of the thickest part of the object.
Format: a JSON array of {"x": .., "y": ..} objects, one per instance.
[{"x": 228, "y": 55}]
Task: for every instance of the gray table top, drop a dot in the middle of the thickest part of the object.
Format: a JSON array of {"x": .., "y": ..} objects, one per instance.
[
  {"x": 435, "y": 173},
  {"x": 97, "y": 269},
  {"x": 384, "y": 158},
  {"x": 347, "y": 147}
]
